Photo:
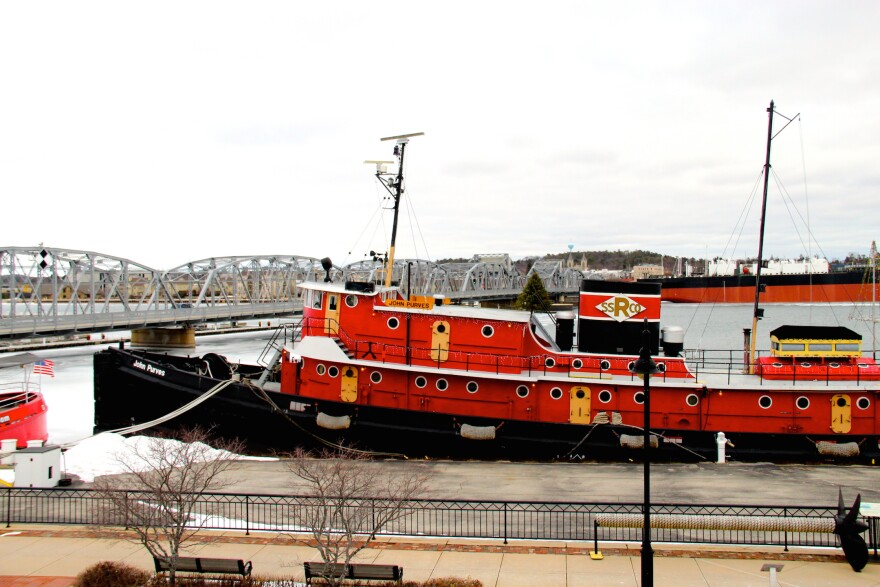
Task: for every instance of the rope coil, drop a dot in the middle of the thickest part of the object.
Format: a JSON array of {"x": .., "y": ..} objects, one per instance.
[{"x": 706, "y": 522}]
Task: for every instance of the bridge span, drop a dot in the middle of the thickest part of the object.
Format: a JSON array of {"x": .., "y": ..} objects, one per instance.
[{"x": 50, "y": 292}]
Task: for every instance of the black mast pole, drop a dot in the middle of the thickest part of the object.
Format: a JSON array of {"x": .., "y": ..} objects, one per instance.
[
  {"x": 397, "y": 184},
  {"x": 758, "y": 312},
  {"x": 398, "y": 190}
]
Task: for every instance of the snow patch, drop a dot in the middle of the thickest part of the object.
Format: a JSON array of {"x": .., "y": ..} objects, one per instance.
[{"x": 100, "y": 454}]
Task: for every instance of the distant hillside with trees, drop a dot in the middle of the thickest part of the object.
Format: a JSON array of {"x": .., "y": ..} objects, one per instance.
[{"x": 625, "y": 260}]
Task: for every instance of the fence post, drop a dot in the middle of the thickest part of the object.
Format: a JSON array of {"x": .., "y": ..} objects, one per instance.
[
  {"x": 247, "y": 515},
  {"x": 8, "y": 507},
  {"x": 505, "y": 522},
  {"x": 785, "y": 515},
  {"x": 596, "y": 555}
]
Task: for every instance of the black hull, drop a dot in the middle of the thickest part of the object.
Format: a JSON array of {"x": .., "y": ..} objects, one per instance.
[{"x": 126, "y": 395}]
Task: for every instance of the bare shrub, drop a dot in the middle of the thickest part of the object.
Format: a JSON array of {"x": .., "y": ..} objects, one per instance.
[{"x": 111, "y": 574}]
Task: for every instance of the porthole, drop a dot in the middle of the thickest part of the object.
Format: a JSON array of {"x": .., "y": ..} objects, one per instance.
[
  {"x": 522, "y": 391},
  {"x": 630, "y": 366},
  {"x": 863, "y": 403},
  {"x": 604, "y": 364},
  {"x": 863, "y": 365},
  {"x": 421, "y": 382},
  {"x": 806, "y": 365},
  {"x": 472, "y": 387},
  {"x": 351, "y": 301},
  {"x": 841, "y": 402},
  {"x": 442, "y": 385},
  {"x": 604, "y": 396},
  {"x": 333, "y": 371},
  {"x": 661, "y": 367},
  {"x": 376, "y": 377},
  {"x": 349, "y": 372},
  {"x": 487, "y": 331},
  {"x": 393, "y": 323},
  {"x": 802, "y": 402},
  {"x": 549, "y": 362},
  {"x": 441, "y": 328},
  {"x": 765, "y": 401},
  {"x": 639, "y": 397},
  {"x": 320, "y": 369},
  {"x": 692, "y": 399},
  {"x": 777, "y": 365},
  {"x": 577, "y": 364},
  {"x": 555, "y": 393},
  {"x": 834, "y": 365},
  {"x": 580, "y": 394}
]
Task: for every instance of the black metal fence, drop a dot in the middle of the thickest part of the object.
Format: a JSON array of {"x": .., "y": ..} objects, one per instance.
[{"x": 435, "y": 518}]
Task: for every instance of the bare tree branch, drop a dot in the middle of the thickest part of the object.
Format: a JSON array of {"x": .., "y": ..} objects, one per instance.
[
  {"x": 352, "y": 500},
  {"x": 159, "y": 494}
]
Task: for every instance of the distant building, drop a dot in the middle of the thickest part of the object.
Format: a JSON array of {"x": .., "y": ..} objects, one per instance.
[
  {"x": 646, "y": 271},
  {"x": 570, "y": 262}
]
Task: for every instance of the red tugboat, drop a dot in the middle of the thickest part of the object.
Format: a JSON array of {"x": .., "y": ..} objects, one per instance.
[
  {"x": 372, "y": 366},
  {"x": 22, "y": 407}
]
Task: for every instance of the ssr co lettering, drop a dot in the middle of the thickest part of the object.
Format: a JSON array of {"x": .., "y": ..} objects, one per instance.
[{"x": 620, "y": 308}]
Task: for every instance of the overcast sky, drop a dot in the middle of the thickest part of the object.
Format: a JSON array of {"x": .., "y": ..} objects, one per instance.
[{"x": 165, "y": 132}]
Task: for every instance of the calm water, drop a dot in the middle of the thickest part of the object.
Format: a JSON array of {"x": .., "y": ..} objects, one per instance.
[
  {"x": 69, "y": 393},
  {"x": 720, "y": 326}
]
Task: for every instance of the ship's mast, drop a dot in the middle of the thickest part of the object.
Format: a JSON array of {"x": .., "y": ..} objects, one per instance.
[
  {"x": 759, "y": 313},
  {"x": 395, "y": 187},
  {"x": 874, "y": 296}
]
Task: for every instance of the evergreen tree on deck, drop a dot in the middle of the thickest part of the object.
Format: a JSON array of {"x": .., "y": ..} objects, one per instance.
[{"x": 534, "y": 296}]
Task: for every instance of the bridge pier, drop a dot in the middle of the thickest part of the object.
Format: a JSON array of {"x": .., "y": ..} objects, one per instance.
[{"x": 164, "y": 338}]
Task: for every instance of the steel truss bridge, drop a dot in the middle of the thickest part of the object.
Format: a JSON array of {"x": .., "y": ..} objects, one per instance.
[{"x": 51, "y": 292}]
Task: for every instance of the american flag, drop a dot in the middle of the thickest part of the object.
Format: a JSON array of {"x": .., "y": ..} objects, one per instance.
[{"x": 45, "y": 367}]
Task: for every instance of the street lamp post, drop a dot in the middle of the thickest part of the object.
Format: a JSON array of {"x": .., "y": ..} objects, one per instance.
[{"x": 646, "y": 366}]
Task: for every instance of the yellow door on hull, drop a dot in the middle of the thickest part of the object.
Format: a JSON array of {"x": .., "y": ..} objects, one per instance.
[
  {"x": 440, "y": 341},
  {"x": 349, "y": 390},
  {"x": 841, "y": 413},
  {"x": 579, "y": 402}
]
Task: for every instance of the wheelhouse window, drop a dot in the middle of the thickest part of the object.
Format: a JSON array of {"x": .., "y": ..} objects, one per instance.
[{"x": 313, "y": 299}]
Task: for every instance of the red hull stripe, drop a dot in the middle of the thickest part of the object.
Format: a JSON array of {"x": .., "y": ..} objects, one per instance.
[{"x": 793, "y": 294}]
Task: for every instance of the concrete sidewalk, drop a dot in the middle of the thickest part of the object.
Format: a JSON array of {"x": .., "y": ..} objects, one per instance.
[{"x": 50, "y": 556}]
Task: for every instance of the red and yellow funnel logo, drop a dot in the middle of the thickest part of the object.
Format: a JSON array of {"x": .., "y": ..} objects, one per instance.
[{"x": 620, "y": 308}]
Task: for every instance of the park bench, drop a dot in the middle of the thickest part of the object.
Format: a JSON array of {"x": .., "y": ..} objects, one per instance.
[
  {"x": 205, "y": 566},
  {"x": 354, "y": 571}
]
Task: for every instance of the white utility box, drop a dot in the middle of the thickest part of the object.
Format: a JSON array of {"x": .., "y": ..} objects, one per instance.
[{"x": 38, "y": 466}]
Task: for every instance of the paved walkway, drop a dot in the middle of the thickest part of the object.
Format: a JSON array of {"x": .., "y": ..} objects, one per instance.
[{"x": 50, "y": 556}]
